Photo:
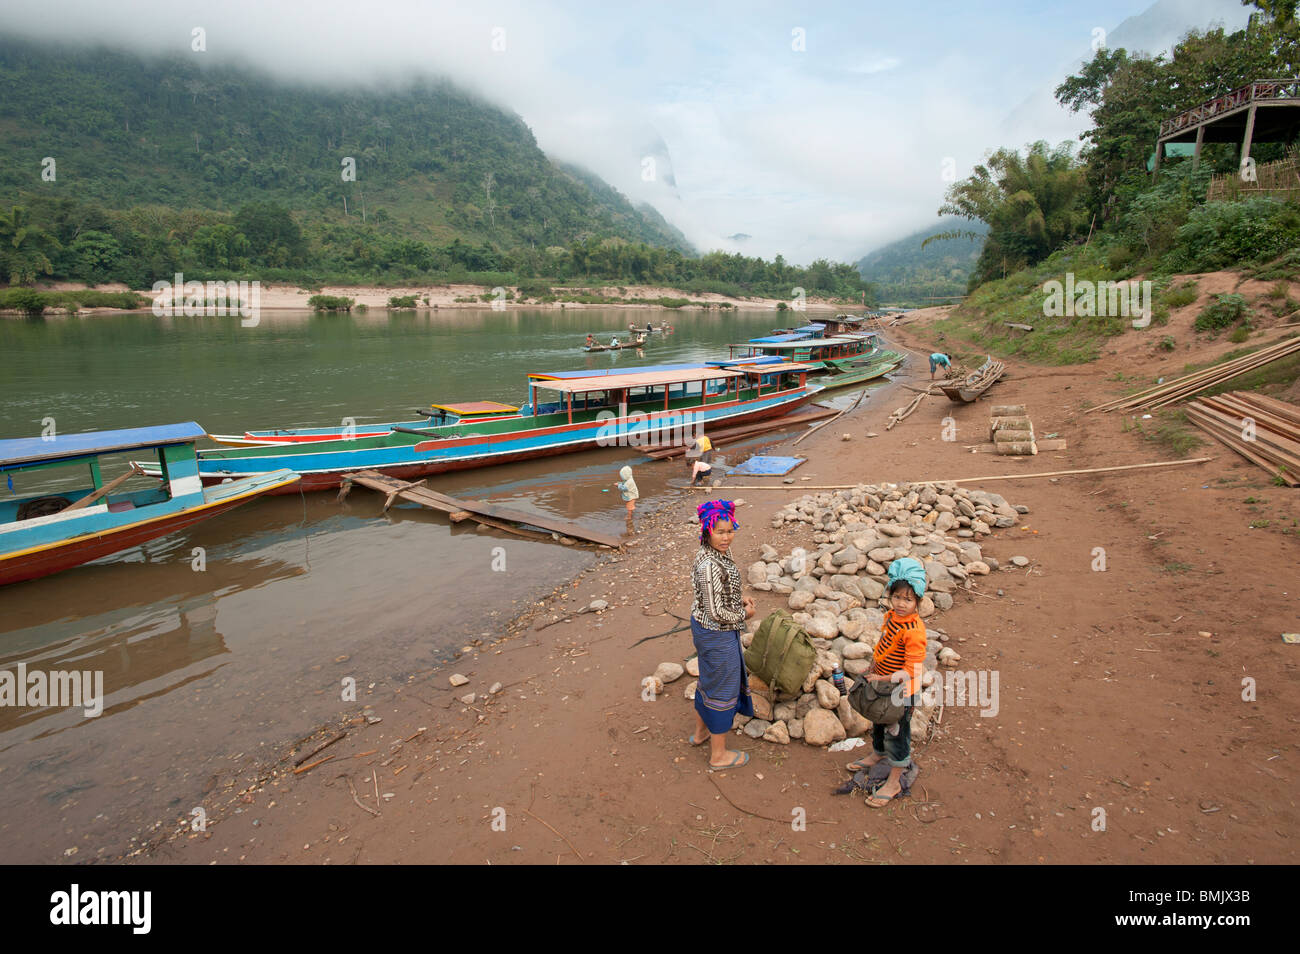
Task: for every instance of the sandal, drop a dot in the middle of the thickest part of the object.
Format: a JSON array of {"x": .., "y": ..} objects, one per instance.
[
  {"x": 880, "y": 801},
  {"x": 744, "y": 758},
  {"x": 861, "y": 766},
  {"x": 694, "y": 741}
]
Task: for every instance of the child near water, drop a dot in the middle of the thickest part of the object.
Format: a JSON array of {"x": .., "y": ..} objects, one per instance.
[{"x": 630, "y": 493}]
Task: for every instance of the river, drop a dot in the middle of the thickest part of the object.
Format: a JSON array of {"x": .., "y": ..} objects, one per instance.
[{"x": 214, "y": 664}]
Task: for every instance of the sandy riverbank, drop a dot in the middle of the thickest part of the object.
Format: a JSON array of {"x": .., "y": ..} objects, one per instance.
[
  {"x": 1110, "y": 698},
  {"x": 278, "y": 297}
]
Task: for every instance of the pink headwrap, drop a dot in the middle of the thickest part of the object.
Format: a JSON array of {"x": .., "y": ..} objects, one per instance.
[{"x": 711, "y": 511}]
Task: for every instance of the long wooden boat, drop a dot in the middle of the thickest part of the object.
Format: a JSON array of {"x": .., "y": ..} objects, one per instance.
[
  {"x": 848, "y": 372},
  {"x": 440, "y": 414},
  {"x": 49, "y": 531},
  {"x": 803, "y": 349},
  {"x": 974, "y": 384},
  {"x": 589, "y": 409}
]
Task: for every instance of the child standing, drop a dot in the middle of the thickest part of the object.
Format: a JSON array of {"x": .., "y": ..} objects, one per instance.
[
  {"x": 630, "y": 493},
  {"x": 899, "y": 657}
]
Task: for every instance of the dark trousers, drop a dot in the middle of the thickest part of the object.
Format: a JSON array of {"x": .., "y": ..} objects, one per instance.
[{"x": 896, "y": 748}]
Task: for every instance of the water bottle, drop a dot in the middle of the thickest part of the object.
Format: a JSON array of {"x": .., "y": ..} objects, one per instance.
[{"x": 837, "y": 677}]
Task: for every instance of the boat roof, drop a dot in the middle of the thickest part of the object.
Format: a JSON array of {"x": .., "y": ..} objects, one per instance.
[
  {"x": 469, "y": 408},
  {"x": 777, "y": 339},
  {"x": 757, "y": 359},
  {"x": 592, "y": 373},
  {"x": 769, "y": 367},
  {"x": 796, "y": 341},
  {"x": 23, "y": 451},
  {"x": 812, "y": 327},
  {"x": 639, "y": 378}
]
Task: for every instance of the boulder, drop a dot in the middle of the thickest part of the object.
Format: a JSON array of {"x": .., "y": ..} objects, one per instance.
[
  {"x": 693, "y": 666},
  {"x": 846, "y": 557},
  {"x": 777, "y": 732},
  {"x": 828, "y": 697},
  {"x": 871, "y": 589},
  {"x": 669, "y": 672},
  {"x": 823, "y": 626},
  {"x": 795, "y": 728},
  {"x": 758, "y": 572},
  {"x": 943, "y": 601},
  {"x": 856, "y": 667},
  {"x": 755, "y": 728},
  {"x": 456, "y": 679},
  {"x": 804, "y": 704},
  {"x": 800, "y": 599},
  {"x": 762, "y": 706},
  {"x": 1020, "y": 560},
  {"x": 690, "y": 690},
  {"x": 783, "y": 712},
  {"x": 926, "y": 609},
  {"x": 856, "y": 651},
  {"x": 821, "y": 727},
  {"x": 853, "y": 722}
]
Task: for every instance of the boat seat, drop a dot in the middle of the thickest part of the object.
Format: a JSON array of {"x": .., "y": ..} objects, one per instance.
[{"x": 121, "y": 506}]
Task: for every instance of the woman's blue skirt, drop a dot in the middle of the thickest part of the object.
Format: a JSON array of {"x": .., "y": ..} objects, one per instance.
[{"x": 723, "y": 691}]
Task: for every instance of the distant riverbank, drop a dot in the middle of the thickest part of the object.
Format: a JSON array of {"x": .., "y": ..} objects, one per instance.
[{"x": 428, "y": 296}]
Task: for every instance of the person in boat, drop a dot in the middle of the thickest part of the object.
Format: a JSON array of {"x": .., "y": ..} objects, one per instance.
[
  {"x": 613, "y": 342},
  {"x": 937, "y": 360},
  {"x": 648, "y": 328},
  {"x": 591, "y": 341},
  {"x": 718, "y": 611},
  {"x": 701, "y": 450}
]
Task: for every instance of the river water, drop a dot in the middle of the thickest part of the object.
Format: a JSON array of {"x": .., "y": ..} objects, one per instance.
[{"x": 211, "y": 665}]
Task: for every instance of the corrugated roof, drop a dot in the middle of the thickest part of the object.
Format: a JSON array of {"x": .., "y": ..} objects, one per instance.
[
  {"x": 35, "y": 450},
  {"x": 635, "y": 379}
]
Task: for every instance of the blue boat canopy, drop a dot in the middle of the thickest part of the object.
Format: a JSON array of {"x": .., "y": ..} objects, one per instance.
[
  {"x": 811, "y": 329},
  {"x": 777, "y": 339},
  {"x": 24, "y": 451}
]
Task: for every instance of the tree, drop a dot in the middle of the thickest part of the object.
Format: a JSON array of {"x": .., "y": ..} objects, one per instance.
[
  {"x": 24, "y": 248},
  {"x": 272, "y": 234}
]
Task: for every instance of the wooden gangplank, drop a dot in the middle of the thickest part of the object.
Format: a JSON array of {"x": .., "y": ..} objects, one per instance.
[{"x": 488, "y": 514}]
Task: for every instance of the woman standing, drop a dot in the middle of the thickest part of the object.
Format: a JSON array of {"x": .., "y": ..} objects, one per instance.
[{"x": 716, "y": 616}]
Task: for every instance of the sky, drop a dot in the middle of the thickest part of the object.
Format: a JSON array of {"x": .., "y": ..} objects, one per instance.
[{"x": 818, "y": 130}]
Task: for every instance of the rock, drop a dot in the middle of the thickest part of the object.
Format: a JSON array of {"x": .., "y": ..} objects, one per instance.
[
  {"x": 943, "y": 601},
  {"x": 945, "y": 521},
  {"x": 770, "y": 553},
  {"x": 1020, "y": 560},
  {"x": 804, "y": 704},
  {"x": 746, "y": 639},
  {"x": 796, "y": 729},
  {"x": 853, "y": 722},
  {"x": 597, "y": 605},
  {"x": 823, "y": 626},
  {"x": 852, "y": 629},
  {"x": 872, "y": 589},
  {"x": 828, "y": 697},
  {"x": 496, "y": 687},
  {"x": 756, "y": 728},
  {"x": 926, "y": 608},
  {"x": 777, "y": 732},
  {"x": 821, "y": 727},
  {"x": 949, "y": 657},
  {"x": 848, "y": 555},
  {"x": 651, "y": 683},
  {"x": 758, "y": 572},
  {"x": 693, "y": 666},
  {"x": 800, "y": 599},
  {"x": 457, "y": 679},
  {"x": 937, "y": 576},
  {"x": 468, "y": 698},
  {"x": 669, "y": 672},
  {"x": 881, "y": 555},
  {"x": 992, "y": 563},
  {"x": 977, "y": 568},
  {"x": 690, "y": 691},
  {"x": 762, "y": 706},
  {"x": 856, "y": 651},
  {"x": 783, "y": 712},
  {"x": 741, "y": 721},
  {"x": 857, "y": 667}
]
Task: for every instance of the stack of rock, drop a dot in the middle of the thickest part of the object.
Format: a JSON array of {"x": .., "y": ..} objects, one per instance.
[{"x": 836, "y": 591}]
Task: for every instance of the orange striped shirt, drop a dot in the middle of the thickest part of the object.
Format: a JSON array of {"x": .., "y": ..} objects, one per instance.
[{"x": 901, "y": 646}]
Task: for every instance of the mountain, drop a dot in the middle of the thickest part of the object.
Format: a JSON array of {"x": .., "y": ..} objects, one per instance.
[
  {"x": 905, "y": 273},
  {"x": 426, "y": 160}
]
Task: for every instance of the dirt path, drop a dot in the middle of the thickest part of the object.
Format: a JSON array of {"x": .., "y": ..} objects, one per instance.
[{"x": 1109, "y": 699}]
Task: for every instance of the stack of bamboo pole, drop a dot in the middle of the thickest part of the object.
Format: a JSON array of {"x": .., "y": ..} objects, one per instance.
[
  {"x": 1190, "y": 384},
  {"x": 1261, "y": 429}
]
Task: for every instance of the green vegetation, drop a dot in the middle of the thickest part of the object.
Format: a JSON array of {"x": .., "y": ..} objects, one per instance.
[
  {"x": 1224, "y": 312},
  {"x": 329, "y": 303},
  {"x": 1098, "y": 217},
  {"x": 402, "y": 301},
  {"x": 34, "y": 302},
  {"x": 912, "y": 271},
  {"x": 165, "y": 166}
]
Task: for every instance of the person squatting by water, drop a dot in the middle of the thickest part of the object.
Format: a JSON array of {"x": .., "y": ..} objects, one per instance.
[
  {"x": 899, "y": 658},
  {"x": 717, "y": 614},
  {"x": 629, "y": 489},
  {"x": 702, "y": 466}
]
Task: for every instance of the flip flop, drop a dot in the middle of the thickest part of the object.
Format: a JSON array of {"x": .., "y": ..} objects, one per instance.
[
  {"x": 880, "y": 801},
  {"x": 691, "y": 739},
  {"x": 859, "y": 766},
  {"x": 744, "y": 758}
]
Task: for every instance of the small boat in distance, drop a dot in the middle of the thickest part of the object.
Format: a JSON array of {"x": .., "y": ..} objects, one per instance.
[
  {"x": 969, "y": 388},
  {"x": 50, "y": 527}
]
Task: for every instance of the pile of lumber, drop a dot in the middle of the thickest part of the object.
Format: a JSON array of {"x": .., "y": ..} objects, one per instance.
[
  {"x": 1261, "y": 429},
  {"x": 1190, "y": 384}
]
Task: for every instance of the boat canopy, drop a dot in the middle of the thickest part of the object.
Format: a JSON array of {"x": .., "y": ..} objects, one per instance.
[
  {"x": 470, "y": 408},
  {"x": 24, "y": 451},
  {"x": 641, "y": 378},
  {"x": 812, "y": 329},
  {"x": 788, "y": 342},
  {"x": 610, "y": 372},
  {"x": 779, "y": 339},
  {"x": 769, "y": 367}
]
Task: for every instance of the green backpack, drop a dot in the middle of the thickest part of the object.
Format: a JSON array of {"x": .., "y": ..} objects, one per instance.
[{"x": 781, "y": 654}]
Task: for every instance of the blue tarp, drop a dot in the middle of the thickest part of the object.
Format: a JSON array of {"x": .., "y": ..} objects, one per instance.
[
  {"x": 24, "y": 451},
  {"x": 768, "y": 466}
]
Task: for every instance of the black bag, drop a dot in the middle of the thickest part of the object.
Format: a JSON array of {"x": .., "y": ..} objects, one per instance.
[{"x": 875, "y": 705}]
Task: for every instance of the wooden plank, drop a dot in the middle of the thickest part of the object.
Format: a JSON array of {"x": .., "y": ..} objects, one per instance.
[
  {"x": 104, "y": 491},
  {"x": 1232, "y": 440},
  {"x": 495, "y": 512}
]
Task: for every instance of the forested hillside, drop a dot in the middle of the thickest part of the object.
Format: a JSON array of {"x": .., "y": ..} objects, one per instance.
[{"x": 905, "y": 273}]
